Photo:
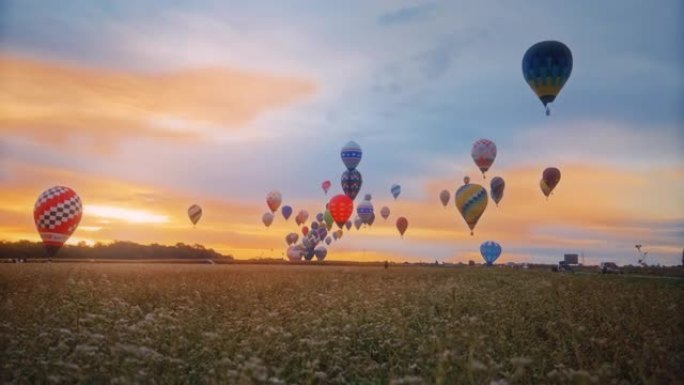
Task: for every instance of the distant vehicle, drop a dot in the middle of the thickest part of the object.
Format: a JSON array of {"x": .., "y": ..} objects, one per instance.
[
  {"x": 562, "y": 267},
  {"x": 609, "y": 268}
]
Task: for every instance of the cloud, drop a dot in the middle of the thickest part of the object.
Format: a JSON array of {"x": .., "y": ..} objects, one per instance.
[
  {"x": 55, "y": 101},
  {"x": 407, "y": 14}
]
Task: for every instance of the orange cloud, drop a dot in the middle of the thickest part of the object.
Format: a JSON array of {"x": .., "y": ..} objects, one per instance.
[{"x": 51, "y": 101}]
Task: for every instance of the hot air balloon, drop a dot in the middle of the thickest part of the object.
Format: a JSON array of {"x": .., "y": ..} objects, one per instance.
[
  {"x": 395, "y": 190},
  {"x": 444, "y": 197},
  {"x": 546, "y": 67},
  {"x": 295, "y": 253},
  {"x": 326, "y": 186},
  {"x": 286, "y": 211},
  {"x": 335, "y": 235},
  {"x": 358, "y": 222},
  {"x": 302, "y": 217},
  {"x": 291, "y": 238},
  {"x": 194, "y": 213},
  {"x": 320, "y": 217},
  {"x": 348, "y": 225},
  {"x": 371, "y": 219},
  {"x": 267, "y": 218},
  {"x": 327, "y": 217},
  {"x": 385, "y": 212},
  {"x": 273, "y": 200},
  {"x": 496, "y": 189},
  {"x": 550, "y": 179},
  {"x": 314, "y": 226},
  {"x": 320, "y": 252},
  {"x": 490, "y": 251},
  {"x": 402, "y": 224},
  {"x": 305, "y": 231},
  {"x": 57, "y": 213},
  {"x": 351, "y": 155},
  {"x": 471, "y": 201},
  {"x": 341, "y": 208},
  {"x": 328, "y": 240},
  {"x": 483, "y": 153},
  {"x": 364, "y": 210},
  {"x": 340, "y": 233},
  {"x": 351, "y": 183},
  {"x": 367, "y": 197},
  {"x": 466, "y": 179}
]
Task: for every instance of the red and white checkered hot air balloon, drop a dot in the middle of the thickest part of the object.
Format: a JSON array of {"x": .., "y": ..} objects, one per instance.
[
  {"x": 57, "y": 213},
  {"x": 484, "y": 153}
]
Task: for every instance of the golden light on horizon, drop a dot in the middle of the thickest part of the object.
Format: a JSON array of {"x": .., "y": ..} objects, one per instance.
[{"x": 124, "y": 214}]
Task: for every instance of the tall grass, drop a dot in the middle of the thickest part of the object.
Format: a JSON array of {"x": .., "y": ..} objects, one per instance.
[{"x": 101, "y": 323}]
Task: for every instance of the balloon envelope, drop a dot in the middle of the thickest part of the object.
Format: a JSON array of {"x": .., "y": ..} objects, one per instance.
[
  {"x": 320, "y": 252},
  {"x": 351, "y": 183},
  {"x": 444, "y": 197},
  {"x": 328, "y": 219},
  {"x": 194, "y": 213},
  {"x": 57, "y": 213},
  {"x": 385, "y": 212},
  {"x": 471, "y": 201},
  {"x": 496, "y": 189},
  {"x": 466, "y": 179},
  {"x": 273, "y": 200},
  {"x": 267, "y": 218},
  {"x": 328, "y": 240},
  {"x": 402, "y": 225},
  {"x": 490, "y": 251},
  {"x": 341, "y": 208},
  {"x": 305, "y": 231},
  {"x": 348, "y": 225},
  {"x": 286, "y": 211},
  {"x": 358, "y": 222},
  {"x": 295, "y": 253},
  {"x": 326, "y": 186},
  {"x": 351, "y": 155},
  {"x": 302, "y": 217},
  {"x": 395, "y": 190},
  {"x": 483, "y": 153},
  {"x": 551, "y": 177},
  {"x": 365, "y": 210},
  {"x": 546, "y": 67}
]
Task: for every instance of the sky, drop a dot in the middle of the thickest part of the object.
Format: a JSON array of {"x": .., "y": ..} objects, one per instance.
[{"x": 144, "y": 108}]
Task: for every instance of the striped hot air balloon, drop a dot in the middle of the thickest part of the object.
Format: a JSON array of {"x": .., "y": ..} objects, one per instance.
[
  {"x": 194, "y": 213},
  {"x": 546, "y": 67},
  {"x": 483, "y": 153},
  {"x": 351, "y": 155},
  {"x": 57, "y": 213},
  {"x": 471, "y": 201}
]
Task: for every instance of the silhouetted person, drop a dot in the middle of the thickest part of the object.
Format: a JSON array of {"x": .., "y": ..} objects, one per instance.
[{"x": 386, "y": 265}]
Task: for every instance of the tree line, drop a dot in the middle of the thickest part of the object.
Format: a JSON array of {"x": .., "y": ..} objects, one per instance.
[{"x": 23, "y": 250}]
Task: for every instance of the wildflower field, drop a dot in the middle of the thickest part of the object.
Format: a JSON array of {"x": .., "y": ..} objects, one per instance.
[{"x": 241, "y": 324}]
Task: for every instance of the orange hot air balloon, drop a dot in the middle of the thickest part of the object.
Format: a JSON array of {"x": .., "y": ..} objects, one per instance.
[
  {"x": 341, "y": 208},
  {"x": 305, "y": 230},
  {"x": 402, "y": 225},
  {"x": 57, "y": 213}
]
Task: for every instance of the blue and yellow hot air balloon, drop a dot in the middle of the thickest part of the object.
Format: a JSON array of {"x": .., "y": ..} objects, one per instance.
[
  {"x": 471, "y": 201},
  {"x": 547, "y": 66}
]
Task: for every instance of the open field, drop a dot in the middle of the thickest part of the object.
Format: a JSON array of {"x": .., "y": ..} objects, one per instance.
[{"x": 121, "y": 323}]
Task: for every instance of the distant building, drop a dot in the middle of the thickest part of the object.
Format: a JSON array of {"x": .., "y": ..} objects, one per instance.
[{"x": 571, "y": 259}]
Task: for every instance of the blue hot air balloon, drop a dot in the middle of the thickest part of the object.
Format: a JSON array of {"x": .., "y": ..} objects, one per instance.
[
  {"x": 395, "y": 190},
  {"x": 286, "y": 211},
  {"x": 547, "y": 66},
  {"x": 351, "y": 155},
  {"x": 490, "y": 251},
  {"x": 351, "y": 183}
]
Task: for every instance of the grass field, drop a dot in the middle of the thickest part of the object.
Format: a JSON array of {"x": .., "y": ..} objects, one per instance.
[{"x": 125, "y": 324}]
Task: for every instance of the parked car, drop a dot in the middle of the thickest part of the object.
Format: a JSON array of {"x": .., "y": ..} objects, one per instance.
[{"x": 609, "y": 268}]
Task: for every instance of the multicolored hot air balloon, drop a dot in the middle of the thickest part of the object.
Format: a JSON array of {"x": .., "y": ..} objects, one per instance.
[
  {"x": 385, "y": 212},
  {"x": 57, "y": 213},
  {"x": 365, "y": 210},
  {"x": 546, "y": 67},
  {"x": 291, "y": 238},
  {"x": 326, "y": 186},
  {"x": 286, "y": 211},
  {"x": 351, "y": 183},
  {"x": 267, "y": 218},
  {"x": 341, "y": 208},
  {"x": 490, "y": 251},
  {"x": 273, "y": 200},
  {"x": 444, "y": 197},
  {"x": 483, "y": 153},
  {"x": 351, "y": 155},
  {"x": 295, "y": 253},
  {"x": 194, "y": 213},
  {"x": 402, "y": 225},
  {"x": 395, "y": 190},
  {"x": 550, "y": 179},
  {"x": 471, "y": 201},
  {"x": 496, "y": 189}
]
